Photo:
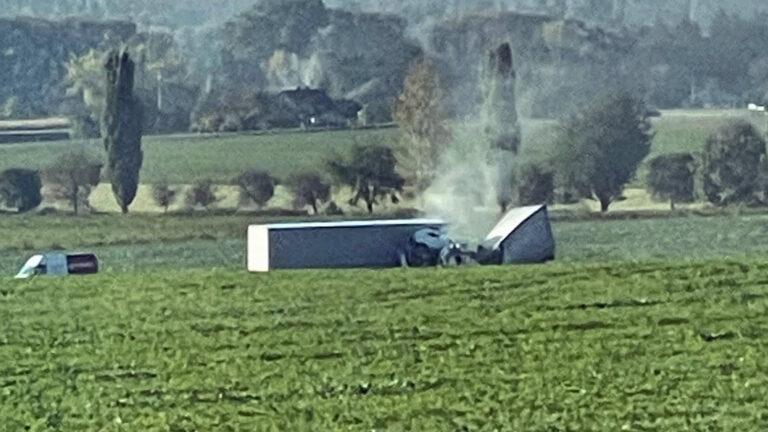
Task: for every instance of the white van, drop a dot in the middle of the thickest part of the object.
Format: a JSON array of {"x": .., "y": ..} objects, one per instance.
[{"x": 59, "y": 264}]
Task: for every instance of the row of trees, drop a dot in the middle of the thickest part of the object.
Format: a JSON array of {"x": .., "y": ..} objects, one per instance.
[
  {"x": 74, "y": 175},
  {"x": 732, "y": 169},
  {"x": 256, "y": 187},
  {"x": 71, "y": 178},
  {"x": 369, "y": 172},
  {"x": 598, "y": 151}
]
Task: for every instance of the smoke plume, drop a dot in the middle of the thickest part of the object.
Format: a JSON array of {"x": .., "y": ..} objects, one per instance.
[{"x": 475, "y": 172}]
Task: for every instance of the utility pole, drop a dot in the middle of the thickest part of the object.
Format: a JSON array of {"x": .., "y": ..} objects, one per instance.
[{"x": 160, "y": 91}]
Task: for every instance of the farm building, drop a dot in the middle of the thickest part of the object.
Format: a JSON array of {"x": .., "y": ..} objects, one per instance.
[
  {"x": 313, "y": 107},
  {"x": 48, "y": 129},
  {"x": 523, "y": 236},
  {"x": 351, "y": 244}
]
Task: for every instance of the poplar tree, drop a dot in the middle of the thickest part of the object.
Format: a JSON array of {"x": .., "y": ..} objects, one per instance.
[{"x": 121, "y": 129}]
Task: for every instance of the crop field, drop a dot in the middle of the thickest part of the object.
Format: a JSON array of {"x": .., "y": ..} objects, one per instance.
[
  {"x": 140, "y": 242},
  {"x": 550, "y": 348},
  {"x": 21, "y": 232},
  {"x": 648, "y": 324}
]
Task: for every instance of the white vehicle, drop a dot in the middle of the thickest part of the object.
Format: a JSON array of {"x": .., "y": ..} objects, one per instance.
[{"x": 59, "y": 264}]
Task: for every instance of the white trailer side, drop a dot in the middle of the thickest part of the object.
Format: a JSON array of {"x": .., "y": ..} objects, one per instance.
[{"x": 350, "y": 244}]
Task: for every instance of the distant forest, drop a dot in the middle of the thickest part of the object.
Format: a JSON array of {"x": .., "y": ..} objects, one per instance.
[
  {"x": 179, "y": 13},
  {"x": 198, "y": 60}
]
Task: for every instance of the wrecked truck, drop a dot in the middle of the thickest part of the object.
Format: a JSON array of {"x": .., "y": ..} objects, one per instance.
[{"x": 522, "y": 236}]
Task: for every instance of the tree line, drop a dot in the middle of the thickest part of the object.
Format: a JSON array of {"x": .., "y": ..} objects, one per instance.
[
  {"x": 369, "y": 172},
  {"x": 596, "y": 153}
]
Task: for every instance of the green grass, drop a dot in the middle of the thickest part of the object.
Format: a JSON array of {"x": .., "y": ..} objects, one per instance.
[
  {"x": 25, "y": 232},
  {"x": 140, "y": 242},
  {"x": 734, "y": 237},
  {"x": 189, "y": 158},
  {"x": 51, "y": 231},
  {"x": 558, "y": 347},
  {"x": 141, "y": 258},
  {"x": 686, "y": 131}
]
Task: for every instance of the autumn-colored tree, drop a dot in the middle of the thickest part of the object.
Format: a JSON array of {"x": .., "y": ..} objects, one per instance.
[{"x": 421, "y": 112}]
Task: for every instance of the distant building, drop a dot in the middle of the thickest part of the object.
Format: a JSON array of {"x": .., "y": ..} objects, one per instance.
[
  {"x": 48, "y": 129},
  {"x": 314, "y": 108}
]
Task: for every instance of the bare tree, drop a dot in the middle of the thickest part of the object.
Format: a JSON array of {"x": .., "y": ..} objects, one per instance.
[
  {"x": 202, "y": 194},
  {"x": 309, "y": 189},
  {"x": 72, "y": 178},
  {"x": 164, "y": 195},
  {"x": 256, "y": 186}
]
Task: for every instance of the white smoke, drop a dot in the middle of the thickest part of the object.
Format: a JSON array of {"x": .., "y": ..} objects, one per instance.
[
  {"x": 464, "y": 191},
  {"x": 312, "y": 71},
  {"x": 476, "y": 171},
  {"x": 287, "y": 70}
]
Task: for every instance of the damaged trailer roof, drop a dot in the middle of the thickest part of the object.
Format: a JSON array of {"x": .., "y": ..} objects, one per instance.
[{"x": 524, "y": 235}]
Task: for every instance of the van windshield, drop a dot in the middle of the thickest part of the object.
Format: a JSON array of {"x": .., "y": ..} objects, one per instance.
[{"x": 28, "y": 270}]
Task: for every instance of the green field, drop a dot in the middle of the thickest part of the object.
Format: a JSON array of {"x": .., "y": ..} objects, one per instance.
[
  {"x": 686, "y": 131},
  {"x": 188, "y": 158},
  {"x": 139, "y": 242},
  {"x": 553, "y": 348},
  {"x": 657, "y": 323}
]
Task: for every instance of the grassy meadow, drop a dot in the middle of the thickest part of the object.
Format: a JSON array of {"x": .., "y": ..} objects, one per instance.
[
  {"x": 142, "y": 242},
  {"x": 184, "y": 159},
  {"x": 641, "y": 324},
  {"x": 561, "y": 347},
  {"x": 201, "y": 239}
]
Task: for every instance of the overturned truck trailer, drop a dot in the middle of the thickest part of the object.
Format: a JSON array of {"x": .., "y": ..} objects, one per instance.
[
  {"x": 351, "y": 244},
  {"x": 523, "y": 236}
]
